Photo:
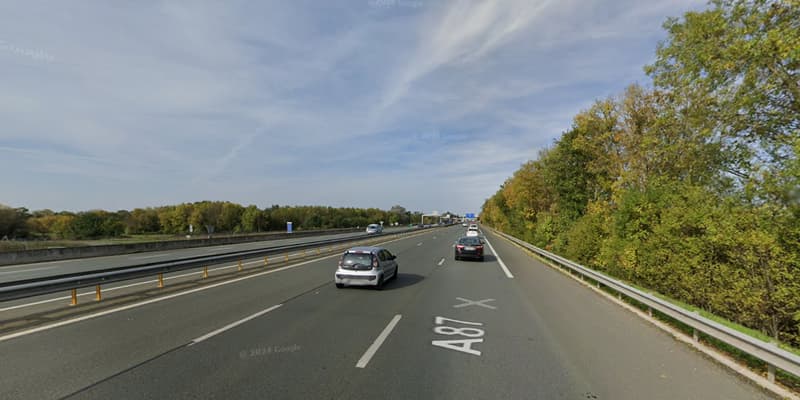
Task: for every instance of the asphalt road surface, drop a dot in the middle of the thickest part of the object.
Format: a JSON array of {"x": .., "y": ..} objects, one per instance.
[{"x": 444, "y": 329}]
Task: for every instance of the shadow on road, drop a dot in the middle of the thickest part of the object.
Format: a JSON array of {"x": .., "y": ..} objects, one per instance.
[
  {"x": 486, "y": 258},
  {"x": 402, "y": 281}
]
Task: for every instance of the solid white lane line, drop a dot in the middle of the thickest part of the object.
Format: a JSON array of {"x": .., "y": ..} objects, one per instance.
[
  {"x": 150, "y": 256},
  {"x": 440, "y": 262},
  {"x": 419, "y": 244},
  {"x": 25, "y": 270},
  {"x": 378, "y": 342},
  {"x": 232, "y": 325},
  {"x": 499, "y": 260}
]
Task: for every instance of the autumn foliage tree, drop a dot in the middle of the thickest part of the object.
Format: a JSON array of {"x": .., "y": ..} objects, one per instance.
[{"x": 691, "y": 187}]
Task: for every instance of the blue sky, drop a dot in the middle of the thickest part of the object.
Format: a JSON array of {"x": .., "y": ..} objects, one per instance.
[{"x": 429, "y": 104}]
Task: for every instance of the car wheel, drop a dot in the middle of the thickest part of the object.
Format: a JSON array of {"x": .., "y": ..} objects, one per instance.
[
  {"x": 480, "y": 259},
  {"x": 396, "y": 272},
  {"x": 379, "y": 286},
  {"x": 456, "y": 257},
  {"x": 339, "y": 285}
]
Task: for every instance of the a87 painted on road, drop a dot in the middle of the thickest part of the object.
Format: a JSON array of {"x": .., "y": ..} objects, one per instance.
[{"x": 457, "y": 328}]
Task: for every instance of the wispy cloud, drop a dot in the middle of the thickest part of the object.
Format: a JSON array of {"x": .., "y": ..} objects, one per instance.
[{"x": 123, "y": 105}]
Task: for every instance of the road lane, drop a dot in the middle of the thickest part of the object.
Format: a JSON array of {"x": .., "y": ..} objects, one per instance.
[
  {"x": 466, "y": 331},
  {"x": 78, "y": 355},
  {"x": 332, "y": 328}
]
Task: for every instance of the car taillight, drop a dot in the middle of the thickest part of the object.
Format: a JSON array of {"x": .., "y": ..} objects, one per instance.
[
  {"x": 479, "y": 247},
  {"x": 460, "y": 247}
]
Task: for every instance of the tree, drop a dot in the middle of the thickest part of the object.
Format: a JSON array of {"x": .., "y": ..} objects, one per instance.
[
  {"x": 143, "y": 220},
  {"x": 87, "y": 225},
  {"x": 230, "y": 217},
  {"x": 206, "y": 215},
  {"x": 13, "y": 221},
  {"x": 176, "y": 219},
  {"x": 735, "y": 67},
  {"x": 252, "y": 219}
]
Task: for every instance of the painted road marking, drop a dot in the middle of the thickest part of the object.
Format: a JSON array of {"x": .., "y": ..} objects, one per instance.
[
  {"x": 232, "y": 325},
  {"x": 152, "y": 256},
  {"x": 475, "y": 335},
  {"x": 480, "y": 303},
  {"x": 419, "y": 244},
  {"x": 25, "y": 270},
  {"x": 499, "y": 260},
  {"x": 364, "y": 360},
  {"x": 218, "y": 248},
  {"x": 441, "y": 262}
]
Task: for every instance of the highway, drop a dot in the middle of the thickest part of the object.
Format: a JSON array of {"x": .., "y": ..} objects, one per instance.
[
  {"x": 11, "y": 273},
  {"x": 505, "y": 328}
]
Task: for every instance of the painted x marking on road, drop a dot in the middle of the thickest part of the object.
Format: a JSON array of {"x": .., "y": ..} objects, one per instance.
[{"x": 468, "y": 302}]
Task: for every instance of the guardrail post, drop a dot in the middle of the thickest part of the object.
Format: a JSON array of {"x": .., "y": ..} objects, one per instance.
[
  {"x": 695, "y": 335},
  {"x": 74, "y": 301},
  {"x": 98, "y": 295},
  {"x": 161, "y": 280},
  {"x": 205, "y": 272},
  {"x": 318, "y": 251},
  {"x": 266, "y": 261},
  {"x": 771, "y": 373},
  {"x": 287, "y": 257},
  {"x": 240, "y": 265},
  {"x": 650, "y": 312}
]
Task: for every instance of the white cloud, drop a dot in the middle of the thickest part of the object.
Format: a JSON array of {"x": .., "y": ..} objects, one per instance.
[{"x": 153, "y": 103}]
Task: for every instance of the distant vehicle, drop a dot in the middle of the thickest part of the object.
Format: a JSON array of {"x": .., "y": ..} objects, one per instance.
[
  {"x": 469, "y": 247},
  {"x": 366, "y": 266},
  {"x": 374, "y": 228},
  {"x": 473, "y": 226},
  {"x": 464, "y": 224},
  {"x": 473, "y": 231}
]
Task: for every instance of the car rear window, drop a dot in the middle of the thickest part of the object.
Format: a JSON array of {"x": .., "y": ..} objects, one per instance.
[
  {"x": 469, "y": 241},
  {"x": 357, "y": 258}
]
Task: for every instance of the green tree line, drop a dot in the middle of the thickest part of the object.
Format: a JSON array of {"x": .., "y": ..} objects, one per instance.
[
  {"x": 204, "y": 216},
  {"x": 691, "y": 186}
]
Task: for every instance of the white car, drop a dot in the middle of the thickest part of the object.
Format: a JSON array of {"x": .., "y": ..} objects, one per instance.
[
  {"x": 472, "y": 231},
  {"x": 374, "y": 228}
]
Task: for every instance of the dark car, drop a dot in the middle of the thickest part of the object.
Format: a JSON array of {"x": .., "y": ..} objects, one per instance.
[{"x": 469, "y": 247}]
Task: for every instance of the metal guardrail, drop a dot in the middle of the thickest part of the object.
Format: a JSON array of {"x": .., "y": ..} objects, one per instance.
[
  {"x": 55, "y": 283},
  {"x": 774, "y": 356}
]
